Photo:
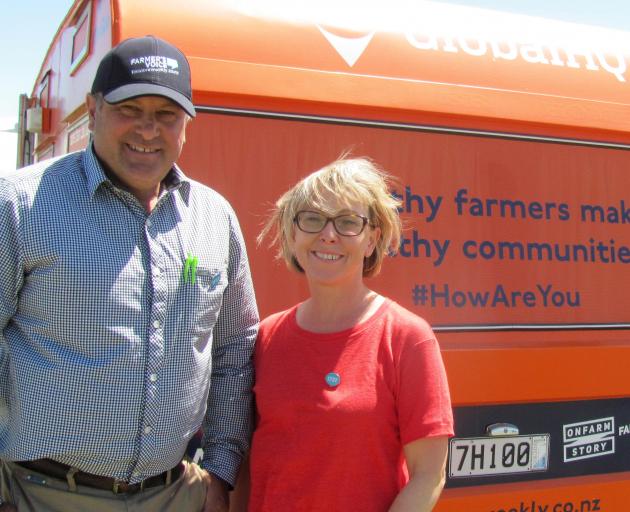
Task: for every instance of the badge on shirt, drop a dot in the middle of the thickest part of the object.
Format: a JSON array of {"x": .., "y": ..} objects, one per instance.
[{"x": 333, "y": 379}]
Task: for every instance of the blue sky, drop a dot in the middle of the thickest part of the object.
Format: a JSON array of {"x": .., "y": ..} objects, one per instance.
[
  {"x": 605, "y": 13},
  {"x": 29, "y": 26}
]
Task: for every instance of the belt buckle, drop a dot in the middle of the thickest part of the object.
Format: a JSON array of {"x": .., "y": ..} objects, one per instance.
[{"x": 127, "y": 488}]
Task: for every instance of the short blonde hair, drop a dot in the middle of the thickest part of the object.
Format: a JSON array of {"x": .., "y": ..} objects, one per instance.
[{"x": 350, "y": 180}]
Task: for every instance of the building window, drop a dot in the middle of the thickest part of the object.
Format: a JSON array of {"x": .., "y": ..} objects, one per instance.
[
  {"x": 43, "y": 91},
  {"x": 81, "y": 39}
]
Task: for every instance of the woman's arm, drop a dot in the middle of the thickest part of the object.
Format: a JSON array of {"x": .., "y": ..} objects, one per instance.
[{"x": 426, "y": 461}]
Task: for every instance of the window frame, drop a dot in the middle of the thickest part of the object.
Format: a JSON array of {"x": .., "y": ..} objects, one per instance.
[{"x": 84, "y": 18}]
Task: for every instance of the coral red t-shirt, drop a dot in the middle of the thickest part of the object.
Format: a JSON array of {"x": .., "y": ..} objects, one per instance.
[{"x": 335, "y": 409}]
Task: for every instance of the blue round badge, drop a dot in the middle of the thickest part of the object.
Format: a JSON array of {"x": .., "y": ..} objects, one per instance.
[{"x": 333, "y": 379}]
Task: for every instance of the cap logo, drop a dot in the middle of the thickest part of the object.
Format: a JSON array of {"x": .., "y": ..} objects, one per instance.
[
  {"x": 154, "y": 63},
  {"x": 145, "y": 66}
]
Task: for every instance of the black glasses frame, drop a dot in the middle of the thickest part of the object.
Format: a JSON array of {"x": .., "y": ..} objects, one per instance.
[{"x": 296, "y": 220}]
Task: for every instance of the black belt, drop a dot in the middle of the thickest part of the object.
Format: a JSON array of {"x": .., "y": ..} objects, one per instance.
[{"x": 75, "y": 477}]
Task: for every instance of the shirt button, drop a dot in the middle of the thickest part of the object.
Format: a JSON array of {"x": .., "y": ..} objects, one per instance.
[
  {"x": 153, "y": 377},
  {"x": 135, "y": 474},
  {"x": 156, "y": 324},
  {"x": 147, "y": 429}
]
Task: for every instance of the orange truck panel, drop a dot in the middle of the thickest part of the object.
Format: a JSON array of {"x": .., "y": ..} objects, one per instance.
[{"x": 510, "y": 138}]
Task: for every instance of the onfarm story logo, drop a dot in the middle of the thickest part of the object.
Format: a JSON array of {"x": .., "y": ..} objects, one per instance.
[
  {"x": 587, "y": 439},
  {"x": 349, "y": 44}
]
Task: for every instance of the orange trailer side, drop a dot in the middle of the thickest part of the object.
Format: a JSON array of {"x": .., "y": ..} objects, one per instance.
[{"x": 510, "y": 137}]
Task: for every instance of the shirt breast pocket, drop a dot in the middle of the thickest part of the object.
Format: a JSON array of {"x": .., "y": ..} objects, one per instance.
[{"x": 204, "y": 296}]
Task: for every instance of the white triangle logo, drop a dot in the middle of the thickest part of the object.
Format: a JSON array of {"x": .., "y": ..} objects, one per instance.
[{"x": 350, "y": 48}]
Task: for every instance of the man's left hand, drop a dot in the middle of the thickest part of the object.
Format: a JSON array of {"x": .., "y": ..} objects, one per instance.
[{"x": 217, "y": 499}]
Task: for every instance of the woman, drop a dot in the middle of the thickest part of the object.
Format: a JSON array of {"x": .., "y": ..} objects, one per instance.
[{"x": 353, "y": 404}]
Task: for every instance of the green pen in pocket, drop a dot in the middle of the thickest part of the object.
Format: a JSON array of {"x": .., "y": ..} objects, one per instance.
[{"x": 190, "y": 269}]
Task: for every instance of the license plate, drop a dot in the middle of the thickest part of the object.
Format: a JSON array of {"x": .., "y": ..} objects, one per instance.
[{"x": 500, "y": 455}]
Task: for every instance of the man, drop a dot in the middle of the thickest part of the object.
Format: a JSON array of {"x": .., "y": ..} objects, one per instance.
[{"x": 127, "y": 315}]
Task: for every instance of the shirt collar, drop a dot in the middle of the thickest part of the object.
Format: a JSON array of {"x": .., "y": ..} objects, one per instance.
[{"x": 95, "y": 175}]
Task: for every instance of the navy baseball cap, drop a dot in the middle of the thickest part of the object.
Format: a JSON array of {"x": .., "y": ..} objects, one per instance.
[{"x": 145, "y": 66}]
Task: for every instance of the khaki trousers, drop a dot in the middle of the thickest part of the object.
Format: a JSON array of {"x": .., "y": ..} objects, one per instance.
[{"x": 39, "y": 493}]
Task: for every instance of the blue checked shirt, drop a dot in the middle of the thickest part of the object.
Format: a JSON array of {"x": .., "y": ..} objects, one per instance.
[{"x": 122, "y": 332}]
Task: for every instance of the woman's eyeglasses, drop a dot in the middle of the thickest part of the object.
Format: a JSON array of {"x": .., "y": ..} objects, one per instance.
[{"x": 346, "y": 225}]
